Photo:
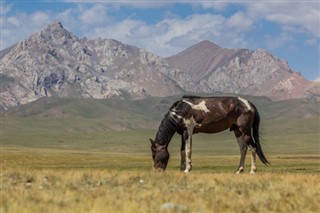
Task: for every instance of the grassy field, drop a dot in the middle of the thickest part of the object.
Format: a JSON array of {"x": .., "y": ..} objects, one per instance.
[
  {"x": 64, "y": 156},
  {"x": 50, "y": 165},
  {"x": 55, "y": 180},
  {"x": 105, "y": 190}
]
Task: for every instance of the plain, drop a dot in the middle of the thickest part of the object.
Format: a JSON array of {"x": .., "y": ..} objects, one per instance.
[{"x": 56, "y": 160}]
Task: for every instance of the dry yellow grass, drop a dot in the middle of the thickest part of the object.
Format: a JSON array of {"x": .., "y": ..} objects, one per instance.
[
  {"x": 74, "y": 165},
  {"x": 102, "y": 190}
]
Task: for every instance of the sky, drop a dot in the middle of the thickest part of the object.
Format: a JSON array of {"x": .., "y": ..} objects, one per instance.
[{"x": 290, "y": 30}]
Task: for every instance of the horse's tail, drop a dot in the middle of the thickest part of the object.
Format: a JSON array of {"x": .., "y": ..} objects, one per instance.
[{"x": 255, "y": 135}]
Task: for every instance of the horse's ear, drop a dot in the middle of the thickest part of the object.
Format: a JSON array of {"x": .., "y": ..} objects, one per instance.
[
  {"x": 152, "y": 142},
  {"x": 153, "y": 145}
]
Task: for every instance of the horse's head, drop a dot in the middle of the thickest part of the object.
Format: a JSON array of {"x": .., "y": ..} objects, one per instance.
[{"x": 160, "y": 156}]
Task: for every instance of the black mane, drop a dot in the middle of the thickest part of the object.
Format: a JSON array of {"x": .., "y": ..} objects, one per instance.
[
  {"x": 191, "y": 97},
  {"x": 166, "y": 130}
]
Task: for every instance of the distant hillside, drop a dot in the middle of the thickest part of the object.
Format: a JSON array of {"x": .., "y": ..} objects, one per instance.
[
  {"x": 56, "y": 63},
  {"x": 120, "y": 114}
]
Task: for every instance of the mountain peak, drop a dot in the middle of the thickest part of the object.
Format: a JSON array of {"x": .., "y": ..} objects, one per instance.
[
  {"x": 206, "y": 44},
  {"x": 55, "y": 33},
  {"x": 55, "y": 25},
  {"x": 198, "y": 59}
]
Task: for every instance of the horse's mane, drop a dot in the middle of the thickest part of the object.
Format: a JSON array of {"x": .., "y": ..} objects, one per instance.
[
  {"x": 166, "y": 130},
  {"x": 205, "y": 97},
  {"x": 191, "y": 97}
]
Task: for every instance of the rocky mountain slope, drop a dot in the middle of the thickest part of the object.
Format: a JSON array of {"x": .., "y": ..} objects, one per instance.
[
  {"x": 55, "y": 62},
  {"x": 254, "y": 72}
]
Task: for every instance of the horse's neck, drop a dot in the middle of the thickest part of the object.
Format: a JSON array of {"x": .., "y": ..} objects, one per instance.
[{"x": 166, "y": 131}]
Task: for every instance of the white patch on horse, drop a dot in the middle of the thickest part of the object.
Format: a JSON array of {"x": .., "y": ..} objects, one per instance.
[
  {"x": 190, "y": 123},
  {"x": 201, "y": 106},
  {"x": 174, "y": 115},
  {"x": 245, "y": 102}
]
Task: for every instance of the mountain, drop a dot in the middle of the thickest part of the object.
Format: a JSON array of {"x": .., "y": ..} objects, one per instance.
[
  {"x": 254, "y": 72},
  {"x": 56, "y": 63}
]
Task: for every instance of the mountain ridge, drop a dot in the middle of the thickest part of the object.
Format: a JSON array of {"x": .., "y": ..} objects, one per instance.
[
  {"x": 254, "y": 72},
  {"x": 56, "y": 63}
]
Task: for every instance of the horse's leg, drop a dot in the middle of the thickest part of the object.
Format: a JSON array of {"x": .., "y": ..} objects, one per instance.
[
  {"x": 253, "y": 161},
  {"x": 243, "y": 150},
  {"x": 247, "y": 138},
  {"x": 184, "y": 136},
  {"x": 188, "y": 151}
]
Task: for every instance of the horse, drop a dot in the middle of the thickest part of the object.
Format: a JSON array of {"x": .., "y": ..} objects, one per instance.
[{"x": 192, "y": 114}]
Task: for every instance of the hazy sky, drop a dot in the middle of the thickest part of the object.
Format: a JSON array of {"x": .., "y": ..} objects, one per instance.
[{"x": 288, "y": 29}]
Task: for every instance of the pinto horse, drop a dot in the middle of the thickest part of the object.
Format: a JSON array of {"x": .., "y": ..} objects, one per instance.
[{"x": 192, "y": 114}]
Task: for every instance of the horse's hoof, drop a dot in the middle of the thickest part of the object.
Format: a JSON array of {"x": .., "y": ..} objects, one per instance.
[
  {"x": 253, "y": 171},
  {"x": 240, "y": 170},
  {"x": 187, "y": 170}
]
